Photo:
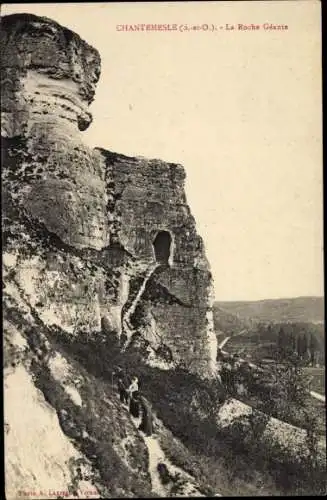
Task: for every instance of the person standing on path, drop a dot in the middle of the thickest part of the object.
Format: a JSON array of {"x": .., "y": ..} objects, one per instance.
[
  {"x": 134, "y": 407},
  {"x": 134, "y": 387},
  {"x": 147, "y": 419},
  {"x": 122, "y": 383}
]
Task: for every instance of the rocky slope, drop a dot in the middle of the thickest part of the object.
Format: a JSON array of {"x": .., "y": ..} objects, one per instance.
[
  {"x": 84, "y": 232},
  {"x": 100, "y": 255}
]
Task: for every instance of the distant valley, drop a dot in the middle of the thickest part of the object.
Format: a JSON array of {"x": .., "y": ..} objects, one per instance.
[
  {"x": 242, "y": 314},
  {"x": 261, "y": 328}
]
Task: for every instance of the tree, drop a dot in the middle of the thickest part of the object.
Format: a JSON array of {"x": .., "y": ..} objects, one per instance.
[
  {"x": 302, "y": 344},
  {"x": 281, "y": 341},
  {"x": 292, "y": 340},
  {"x": 286, "y": 341},
  {"x": 313, "y": 346},
  {"x": 295, "y": 381}
]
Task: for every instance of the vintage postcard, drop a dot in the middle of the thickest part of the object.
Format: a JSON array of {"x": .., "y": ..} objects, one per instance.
[{"x": 162, "y": 249}]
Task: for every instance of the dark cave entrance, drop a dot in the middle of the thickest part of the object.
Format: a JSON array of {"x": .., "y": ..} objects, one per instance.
[{"x": 162, "y": 247}]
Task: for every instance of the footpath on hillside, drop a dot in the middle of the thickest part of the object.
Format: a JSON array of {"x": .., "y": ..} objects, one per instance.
[{"x": 167, "y": 479}]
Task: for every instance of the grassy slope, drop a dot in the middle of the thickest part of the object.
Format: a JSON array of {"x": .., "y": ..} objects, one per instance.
[
  {"x": 192, "y": 443},
  {"x": 98, "y": 427}
]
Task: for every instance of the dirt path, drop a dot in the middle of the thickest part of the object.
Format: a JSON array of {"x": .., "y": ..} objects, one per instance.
[
  {"x": 318, "y": 396},
  {"x": 187, "y": 485},
  {"x": 156, "y": 456},
  {"x": 139, "y": 294},
  {"x": 226, "y": 339},
  {"x": 221, "y": 345}
]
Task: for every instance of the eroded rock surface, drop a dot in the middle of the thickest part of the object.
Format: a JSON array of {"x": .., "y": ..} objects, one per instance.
[
  {"x": 95, "y": 243},
  {"x": 129, "y": 216}
]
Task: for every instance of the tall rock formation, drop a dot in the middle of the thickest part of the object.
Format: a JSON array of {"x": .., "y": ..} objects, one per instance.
[
  {"x": 128, "y": 216},
  {"x": 95, "y": 244}
]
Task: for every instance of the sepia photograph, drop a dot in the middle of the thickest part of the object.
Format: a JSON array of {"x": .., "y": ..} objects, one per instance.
[{"x": 162, "y": 249}]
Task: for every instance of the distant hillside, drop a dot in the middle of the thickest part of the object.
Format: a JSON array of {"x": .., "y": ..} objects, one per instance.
[
  {"x": 307, "y": 309},
  {"x": 228, "y": 323}
]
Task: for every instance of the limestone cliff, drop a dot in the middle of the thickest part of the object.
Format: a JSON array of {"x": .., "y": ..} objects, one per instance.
[
  {"x": 128, "y": 216},
  {"x": 94, "y": 244}
]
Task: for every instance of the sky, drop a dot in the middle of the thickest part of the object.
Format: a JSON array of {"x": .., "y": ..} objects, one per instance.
[{"x": 239, "y": 109}]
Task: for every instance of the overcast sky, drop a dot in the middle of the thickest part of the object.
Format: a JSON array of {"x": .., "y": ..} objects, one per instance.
[{"x": 241, "y": 110}]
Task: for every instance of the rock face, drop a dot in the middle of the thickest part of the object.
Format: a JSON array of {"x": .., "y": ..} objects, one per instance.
[
  {"x": 128, "y": 215},
  {"x": 150, "y": 218},
  {"x": 95, "y": 243},
  {"x": 48, "y": 81}
]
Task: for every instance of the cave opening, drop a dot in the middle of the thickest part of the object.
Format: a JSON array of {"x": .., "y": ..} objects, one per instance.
[{"x": 162, "y": 247}]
